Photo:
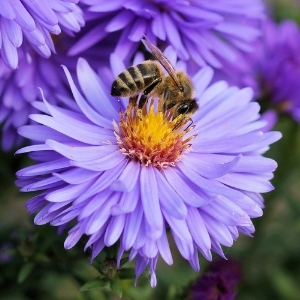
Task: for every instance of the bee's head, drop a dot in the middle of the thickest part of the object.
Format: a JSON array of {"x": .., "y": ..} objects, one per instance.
[
  {"x": 171, "y": 91},
  {"x": 186, "y": 86},
  {"x": 186, "y": 108}
]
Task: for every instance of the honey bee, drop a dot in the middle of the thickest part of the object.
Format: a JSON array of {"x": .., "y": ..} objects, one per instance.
[{"x": 175, "y": 89}]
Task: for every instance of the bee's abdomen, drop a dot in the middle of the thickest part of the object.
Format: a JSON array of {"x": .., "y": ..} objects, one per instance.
[{"x": 135, "y": 79}]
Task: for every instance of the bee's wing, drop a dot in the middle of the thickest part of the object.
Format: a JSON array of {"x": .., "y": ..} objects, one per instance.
[{"x": 162, "y": 59}]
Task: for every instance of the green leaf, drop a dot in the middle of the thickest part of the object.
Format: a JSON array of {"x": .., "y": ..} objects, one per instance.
[
  {"x": 124, "y": 260},
  {"x": 40, "y": 257},
  {"x": 25, "y": 271},
  {"x": 98, "y": 283},
  {"x": 285, "y": 284},
  {"x": 116, "y": 286},
  {"x": 127, "y": 273}
]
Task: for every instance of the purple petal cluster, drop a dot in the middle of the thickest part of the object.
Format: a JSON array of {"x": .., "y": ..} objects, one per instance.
[
  {"x": 35, "y": 22},
  {"x": 20, "y": 88},
  {"x": 279, "y": 69},
  {"x": 204, "y": 201},
  {"x": 273, "y": 69},
  {"x": 202, "y": 32},
  {"x": 218, "y": 283}
]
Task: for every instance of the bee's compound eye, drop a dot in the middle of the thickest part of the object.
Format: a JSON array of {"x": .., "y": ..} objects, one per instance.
[{"x": 183, "y": 108}]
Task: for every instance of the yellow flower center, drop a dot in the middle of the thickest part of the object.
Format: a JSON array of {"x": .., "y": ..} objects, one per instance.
[{"x": 152, "y": 137}]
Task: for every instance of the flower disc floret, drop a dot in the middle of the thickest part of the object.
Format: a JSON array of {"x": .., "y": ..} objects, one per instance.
[{"x": 152, "y": 137}]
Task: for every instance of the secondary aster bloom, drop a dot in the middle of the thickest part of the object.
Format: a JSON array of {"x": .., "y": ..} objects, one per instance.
[
  {"x": 202, "y": 31},
  {"x": 218, "y": 283},
  {"x": 278, "y": 71},
  {"x": 19, "y": 88},
  {"x": 126, "y": 175},
  {"x": 273, "y": 69},
  {"x": 35, "y": 21}
]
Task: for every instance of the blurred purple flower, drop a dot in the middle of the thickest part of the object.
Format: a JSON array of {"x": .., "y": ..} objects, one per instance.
[
  {"x": 203, "y": 32},
  {"x": 19, "y": 89},
  {"x": 218, "y": 283},
  {"x": 103, "y": 169},
  {"x": 35, "y": 21},
  {"x": 279, "y": 70},
  {"x": 6, "y": 253},
  {"x": 273, "y": 69}
]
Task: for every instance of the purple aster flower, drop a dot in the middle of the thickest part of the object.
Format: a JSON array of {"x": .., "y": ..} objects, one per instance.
[
  {"x": 218, "y": 283},
  {"x": 19, "y": 89},
  {"x": 6, "y": 255},
  {"x": 118, "y": 174},
  {"x": 273, "y": 69},
  {"x": 202, "y": 32},
  {"x": 35, "y": 22},
  {"x": 279, "y": 75}
]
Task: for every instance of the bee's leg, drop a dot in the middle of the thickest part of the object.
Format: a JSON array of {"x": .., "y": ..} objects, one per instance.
[
  {"x": 191, "y": 123},
  {"x": 133, "y": 100},
  {"x": 178, "y": 124},
  {"x": 148, "y": 90},
  {"x": 142, "y": 101},
  {"x": 181, "y": 121}
]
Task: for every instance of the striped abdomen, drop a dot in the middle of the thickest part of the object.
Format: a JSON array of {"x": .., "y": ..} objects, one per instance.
[{"x": 136, "y": 78}]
